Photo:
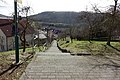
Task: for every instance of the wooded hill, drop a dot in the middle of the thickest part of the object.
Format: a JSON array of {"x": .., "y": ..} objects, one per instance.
[{"x": 57, "y": 17}]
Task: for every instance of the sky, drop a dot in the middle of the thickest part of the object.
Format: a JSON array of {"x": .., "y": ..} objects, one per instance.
[{"x": 38, "y": 6}]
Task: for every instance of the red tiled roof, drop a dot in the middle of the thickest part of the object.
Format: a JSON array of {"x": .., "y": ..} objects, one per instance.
[
  {"x": 29, "y": 30},
  {"x": 6, "y": 26},
  {"x": 7, "y": 29},
  {"x": 5, "y": 21}
]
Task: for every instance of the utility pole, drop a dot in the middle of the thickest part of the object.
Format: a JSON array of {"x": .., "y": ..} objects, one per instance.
[{"x": 16, "y": 33}]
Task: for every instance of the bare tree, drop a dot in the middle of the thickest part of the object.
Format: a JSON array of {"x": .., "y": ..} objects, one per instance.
[
  {"x": 73, "y": 33},
  {"x": 3, "y": 1},
  {"x": 112, "y": 18},
  {"x": 93, "y": 21},
  {"x": 25, "y": 10},
  {"x": 102, "y": 23}
]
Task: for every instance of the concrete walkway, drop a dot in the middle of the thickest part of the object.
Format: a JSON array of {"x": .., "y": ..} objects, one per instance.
[{"x": 55, "y": 65}]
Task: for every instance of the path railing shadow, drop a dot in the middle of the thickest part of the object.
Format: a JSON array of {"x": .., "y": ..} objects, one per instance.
[
  {"x": 12, "y": 67},
  {"x": 114, "y": 48}
]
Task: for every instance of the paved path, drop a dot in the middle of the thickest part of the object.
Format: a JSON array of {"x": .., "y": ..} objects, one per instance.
[{"x": 55, "y": 65}]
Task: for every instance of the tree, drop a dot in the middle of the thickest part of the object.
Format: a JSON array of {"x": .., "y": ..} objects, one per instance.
[
  {"x": 73, "y": 33},
  {"x": 102, "y": 24},
  {"x": 25, "y": 10},
  {"x": 93, "y": 21},
  {"x": 112, "y": 18},
  {"x": 3, "y": 1}
]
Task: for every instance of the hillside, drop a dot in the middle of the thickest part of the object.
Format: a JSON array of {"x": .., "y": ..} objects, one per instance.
[
  {"x": 4, "y": 16},
  {"x": 1, "y": 15},
  {"x": 57, "y": 17}
]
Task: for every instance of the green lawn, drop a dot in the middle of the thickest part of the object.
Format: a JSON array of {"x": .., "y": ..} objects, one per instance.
[
  {"x": 36, "y": 49},
  {"x": 96, "y": 47}
]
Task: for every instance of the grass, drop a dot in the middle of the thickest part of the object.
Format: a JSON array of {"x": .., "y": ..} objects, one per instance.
[
  {"x": 8, "y": 70},
  {"x": 36, "y": 49},
  {"x": 94, "y": 48},
  {"x": 8, "y": 58},
  {"x": 7, "y": 52},
  {"x": 4, "y": 55}
]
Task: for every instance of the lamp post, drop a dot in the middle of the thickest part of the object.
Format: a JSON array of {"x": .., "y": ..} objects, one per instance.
[
  {"x": 115, "y": 6},
  {"x": 16, "y": 33}
]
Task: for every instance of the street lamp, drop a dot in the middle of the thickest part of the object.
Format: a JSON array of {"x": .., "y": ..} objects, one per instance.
[
  {"x": 115, "y": 5},
  {"x": 16, "y": 33}
]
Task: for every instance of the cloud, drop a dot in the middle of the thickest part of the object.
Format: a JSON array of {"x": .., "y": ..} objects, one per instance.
[{"x": 56, "y": 5}]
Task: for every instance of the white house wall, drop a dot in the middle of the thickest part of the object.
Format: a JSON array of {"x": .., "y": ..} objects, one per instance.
[
  {"x": 29, "y": 38},
  {"x": 10, "y": 41},
  {"x": 3, "y": 44}
]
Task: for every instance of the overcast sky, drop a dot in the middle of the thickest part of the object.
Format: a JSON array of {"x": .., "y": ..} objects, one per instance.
[{"x": 55, "y": 5}]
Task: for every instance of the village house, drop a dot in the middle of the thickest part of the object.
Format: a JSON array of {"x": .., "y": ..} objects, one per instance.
[
  {"x": 7, "y": 39},
  {"x": 40, "y": 38}
]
